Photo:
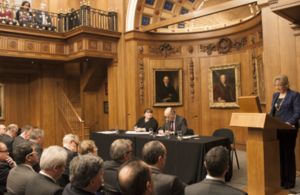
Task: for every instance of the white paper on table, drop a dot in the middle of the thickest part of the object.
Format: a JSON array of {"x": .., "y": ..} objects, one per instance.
[
  {"x": 107, "y": 132},
  {"x": 190, "y": 136},
  {"x": 134, "y": 132}
]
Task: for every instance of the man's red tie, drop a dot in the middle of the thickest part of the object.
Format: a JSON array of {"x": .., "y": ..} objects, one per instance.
[{"x": 172, "y": 127}]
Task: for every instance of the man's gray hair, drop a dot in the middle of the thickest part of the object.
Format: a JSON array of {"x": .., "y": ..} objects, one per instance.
[
  {"x": 54, "y": 155},
  {"x": 11, "y": 127},
  {"x": 83, "y": 169},
  {"x": 69, "y": 137},
  {"x": 217, "y": 160},
  {"x": 36, "y": 133},
  {"x": 26, "y": 128},
  {"x": 118, "y": 148}
]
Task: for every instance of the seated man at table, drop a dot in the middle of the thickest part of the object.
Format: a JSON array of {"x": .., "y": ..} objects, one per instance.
[
  {"x": 155, "y": 154},
  {"x": 120, "y": 151},
  {"x": 134, "y": 178},
  {"x": 175, "y": 122},
  {"x": 216, "y": 163}
]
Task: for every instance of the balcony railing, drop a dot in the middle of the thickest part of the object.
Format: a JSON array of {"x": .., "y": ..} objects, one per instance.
[{"x": 12, "y": 14}]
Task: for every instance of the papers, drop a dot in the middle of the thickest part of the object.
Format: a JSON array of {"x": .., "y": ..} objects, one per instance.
[
  {"x": 138, "y": 133},
  {"x": 190, "y": 136},
  {"x": 107, "y": 132}
]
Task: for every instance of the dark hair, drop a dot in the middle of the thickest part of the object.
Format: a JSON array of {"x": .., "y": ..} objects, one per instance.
[
  {"x": 26, "y": 128},
  {"x": 217, "y": 160},
  {"x": 21, "y": 151},
  {"x": 148, "y": 110},
  {"x": 24, "y": 2},
  {"x": 152, "y": 151},
  {"x": 136, "y": 179}
]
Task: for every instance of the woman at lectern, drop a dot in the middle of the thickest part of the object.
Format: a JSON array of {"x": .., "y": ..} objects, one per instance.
[
  {"x": 286, "y": 107},
  {"x": 144, "y": 123}
]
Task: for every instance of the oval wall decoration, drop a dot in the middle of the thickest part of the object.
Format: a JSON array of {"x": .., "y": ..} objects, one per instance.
[
  {"x": 60, "y": 49},
  {"x": 13, "y": 44},
  {"x": 94, "y": 44},
  {"x": 45, "y": 48},
  {"x": 79, "y": 45},
  {"x": 29, "y": 45}
]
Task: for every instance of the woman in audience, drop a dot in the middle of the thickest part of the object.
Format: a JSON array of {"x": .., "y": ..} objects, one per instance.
[
  {"x": 144, "y": 123},
  {"x": 24, "y": 16},
  {"x": 286, "y": 107},
  {"x": 6, "y": 14},
  {"x": 88, "y": 147}
]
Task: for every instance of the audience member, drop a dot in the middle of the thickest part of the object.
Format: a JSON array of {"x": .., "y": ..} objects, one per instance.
[
  {"x": 36, "y": 138},
  {"x": 24, "y": 137},
  {"x": 155, "y": 154},
  {"x": 216, "y": 163},
  {"x": 134, "y": 178},
  {"x": 6, "y": 163},
  {"x": 8, "y": 138},
  {"x": 25, "y": 156},
  {"x": 174, "y": 122},
  {"x": 120, "y": 152},
  {"x": 43, "y": 19},
  {"x": 70, "y": 143},
  {"x": 53, "y": 162},
  {"x": 23, "y": 15},
  {"x": 85, "y": 175},
  {"x": 2, "y": 131},
  {"x": 6, "y": 14},
  {"x": 88, "y": 147}
]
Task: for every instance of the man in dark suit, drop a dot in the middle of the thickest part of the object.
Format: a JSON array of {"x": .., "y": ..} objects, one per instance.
[
  {"x": 216, "y": 163},
  {"x": 43, "y": 19},
  {"x": 166, "y": 92},
  {"x": 70, "y": 144},
  {"x": 223, "y": 92},
  {"x": 53, "y": 162},
  {"x": 8, "y": 138},
  {"x": 155, "y": 154},
  {"x": 24, "y": 137},
  {"x": 120, "y": 151},
  {"x": 25, "y": 157},
  {"x": 6, "y": 164},
  {"x": 134, "y": 178},
  {"x": 174, "y": 122},
  {"x": 36, "y": 138},
  {"x": 85, "y": 175}
]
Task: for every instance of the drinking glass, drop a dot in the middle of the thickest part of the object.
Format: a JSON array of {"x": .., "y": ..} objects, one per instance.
[
  {"x": 179, "y": 135},
  {"x": 167, "y": 134},
  {"x": 150, "y": 132}
]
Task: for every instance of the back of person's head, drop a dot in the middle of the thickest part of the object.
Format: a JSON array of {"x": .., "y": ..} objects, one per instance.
[
  {"x": 26, "y": 128},
  {"x": 216, "y": 161},
  {"x": 36, "y": 133},
  {"x": 134, "y": 177},
  {"x": 152, "y": 151},
  {"x": 12, "y": 127},
  {"x": 3, "y": 153},
  {"x": 54, "y": 155},
  {"x": 21, "y": 151},
  {"x": 69, "y": 137},
  {"x": 84, "y": 168},
  {"x": 86, "y": 146},
  {"x": 118, "y": 148}
]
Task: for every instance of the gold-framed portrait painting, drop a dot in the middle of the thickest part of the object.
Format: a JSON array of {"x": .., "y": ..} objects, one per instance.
[
  {"x": 260, "y": 85},
  {"x": 2, "y": 102},
  {"x": 224, "y": 85}
]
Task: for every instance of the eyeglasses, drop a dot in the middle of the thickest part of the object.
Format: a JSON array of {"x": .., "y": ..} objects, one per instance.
[
  {"x": 75, "y": 143},
  {"x": 32, "y": 153},
  {"x": 4, "y": 151}
]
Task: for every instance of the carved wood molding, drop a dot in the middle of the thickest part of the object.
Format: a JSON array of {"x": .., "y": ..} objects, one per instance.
[
  {"x": 260, "y": 34},
  {"x": 190, "y": 49},
  {"x": 141, "y": 75},
  {"x": 239, "y": 43},
  {"x": 253, "y": 38},
  {"x": 191, "y": 65},
  {"x": 140, "y": 49},
  {"x": 208, "y": 48},
  {"x": 254, "y": 71},
  {"x": 164, "y": 49},
  {"x": 224, "y": 45}
]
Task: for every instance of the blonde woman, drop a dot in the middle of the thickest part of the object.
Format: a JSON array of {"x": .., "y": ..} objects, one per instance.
[{"x": 88, "y": 147}]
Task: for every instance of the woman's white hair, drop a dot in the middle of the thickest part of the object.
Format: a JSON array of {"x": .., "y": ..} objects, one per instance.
[{"x": 283, "y": 79}]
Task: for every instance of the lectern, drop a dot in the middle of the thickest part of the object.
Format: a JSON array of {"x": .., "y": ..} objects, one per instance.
[{"x": 263, "y": 166}]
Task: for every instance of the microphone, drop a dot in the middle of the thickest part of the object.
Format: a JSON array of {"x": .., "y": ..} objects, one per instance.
[
  {"x": 160, "y": 123},
  {"x": 191, "y": 120},
  {"x": 252, "y": 93},
  {"x": 123, "y": 120}
]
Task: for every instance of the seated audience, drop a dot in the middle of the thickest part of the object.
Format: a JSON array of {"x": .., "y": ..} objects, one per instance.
[
  {"x": 175, "y": 122},
  {"x": 43, "y": 19},
  {"x": 88, "y": 147},
  {"x": 2, "y": 131},
  {"x": 25, "y": 157},
  {"x": 24, "y": 137},
  {"x": 24, "y": 16},
  {"x": 36, "y": 138},
  {"x": 120, "y": 152},
  {"x": 216, "y": 163},
  {"x": 146, "y": 122},
  {"x": 6, "y": 15},
  {"x": 6, "y": 163},
  {"x": 134, "y": 178},
  {"x": 70, "y": 143},
  {"x": 53, "y": 162},
  {"x": 155, "y": 154},
  {"x": 85, "y": 175},
  {"x": 8, "y": 138}
]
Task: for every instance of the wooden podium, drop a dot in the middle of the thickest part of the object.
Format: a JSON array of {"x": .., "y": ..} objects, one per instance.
[{"x": 263, "y": 167}]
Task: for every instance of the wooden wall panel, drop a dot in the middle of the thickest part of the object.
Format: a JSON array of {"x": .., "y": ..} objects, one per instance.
[{"x": 103, "y": 118}]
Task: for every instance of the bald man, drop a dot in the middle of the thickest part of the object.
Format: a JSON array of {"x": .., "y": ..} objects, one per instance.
[{"x": 175, "y": 122}]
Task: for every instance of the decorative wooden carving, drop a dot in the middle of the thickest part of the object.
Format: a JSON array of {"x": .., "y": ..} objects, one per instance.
[
  {"x": 239, "y": 43},
  {"x": 46, "y": 48},
  {"x": 13, "y": 44},
  {"x": 224, "y": 45},
  {"x": 29, "y": 45},
  {"x": 260, "y": 34},
  {"x": 208, "y": 48},
  {"x": 140, "y": 49},
  {"x": 79, "y": 44},
  {"x": 93, "y": 44},
  {"x": 254, "y": 71},
  {"x": 60, "y": 49},
  {"x": 190, "y": 49},
  {"x": 106, "y": 46},
  {"x": 164, "y": 49},
  {"x": 71, "y": 48},
  {"x": 253, "y": 38},
  {"x": 141, "y": 80},
  {"x": 191, "y": 64}
]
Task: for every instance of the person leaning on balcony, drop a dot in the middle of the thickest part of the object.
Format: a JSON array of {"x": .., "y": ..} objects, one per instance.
[
  {"x": 24, "y": 16},
  {"x": 6, "y": 14},
  {"x": 43, "y": 19}
]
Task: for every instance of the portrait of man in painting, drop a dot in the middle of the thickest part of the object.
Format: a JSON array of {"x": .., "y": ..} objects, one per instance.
[
  {"x": 167, "y": 86},
  {"x": 224, "y": 85}
]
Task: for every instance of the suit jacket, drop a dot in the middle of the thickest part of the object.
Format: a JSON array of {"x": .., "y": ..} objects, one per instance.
[
  {"x": 165, "y": 91},
  {"x": 110, "y": 170},
  {"x": 4, "y": 171},
  {"x": 152, "y": 123},
  {"x": 290, "y": 107},
  {"x": 8, "y": 142},
  {"x": 42, "y": 185},
  {"x": 18, "y": 140},
  {"x": 39, "y": 17},
  {"x": 166, "y": 184},
  {"x": 70, "y": 190},
  {"x": 180, "y": 124},
  {"x": 17, "y": 179},
  {"x": 225, "y": 93},
  {"x": 212, "y": 187},
  {"x": 36, "y": 167}
]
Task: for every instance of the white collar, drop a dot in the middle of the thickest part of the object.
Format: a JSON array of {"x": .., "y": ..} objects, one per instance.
[
  {"x": 41, "y": 172},
  {"x": 215, "y": 178}
]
